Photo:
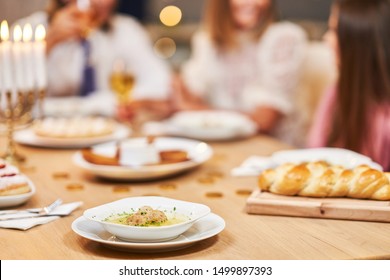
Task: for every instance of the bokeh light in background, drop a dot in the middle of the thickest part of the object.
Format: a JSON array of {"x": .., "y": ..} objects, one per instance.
[
  {"x": 170, "y": 15},
  {"x": 165, "y": 47}
]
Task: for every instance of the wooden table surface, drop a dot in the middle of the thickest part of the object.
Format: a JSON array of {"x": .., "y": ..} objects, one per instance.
[{"x": 245, "y": 236}]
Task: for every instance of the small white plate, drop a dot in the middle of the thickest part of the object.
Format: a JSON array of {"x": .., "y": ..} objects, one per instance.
[
  {"x": 28, "y": 137},
  {"x": 202, "y": 229},
  {"x": 15, "y": 200},
  {"x": 210, "y": 125},
  {"x": 172, "y": 208},
  {"x": 199, "y": 152}
]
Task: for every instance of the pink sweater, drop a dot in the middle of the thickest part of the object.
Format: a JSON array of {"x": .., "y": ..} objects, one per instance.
[{"x": 378, "y": 148}]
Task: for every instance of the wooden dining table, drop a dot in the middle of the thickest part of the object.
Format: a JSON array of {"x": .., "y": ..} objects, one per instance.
[{"x": 245, "y": 236}]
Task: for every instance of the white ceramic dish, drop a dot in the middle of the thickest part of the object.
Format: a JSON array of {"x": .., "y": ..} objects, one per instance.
[
  {"x": 15, "y": 200},
  {"x": 28, "y": 137},
  {"x": 171, "y": 207},
  {"x": 211, "y": 125},
  {"x": 202, "y": 229},
  {"x": 198, "y": 152}
]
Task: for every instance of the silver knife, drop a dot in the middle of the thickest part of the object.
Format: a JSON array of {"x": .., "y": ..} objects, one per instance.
[{"x": 31, "y": 216}]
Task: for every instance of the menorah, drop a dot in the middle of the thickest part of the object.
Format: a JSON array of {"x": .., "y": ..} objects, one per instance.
[
  {"x": 22, "y": 82},
  {"x": 16, "y": 113}
]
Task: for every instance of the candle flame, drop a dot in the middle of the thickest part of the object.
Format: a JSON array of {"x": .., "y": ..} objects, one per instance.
[
  {"x": 40, "y": 33},
  {"x": 18, "y": 33},
  {"x": 4, "y": 31},
  {"x": 27, "y": 33}
]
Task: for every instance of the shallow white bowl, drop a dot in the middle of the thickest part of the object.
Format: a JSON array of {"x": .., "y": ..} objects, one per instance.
[{"x": 171, "y": 207}]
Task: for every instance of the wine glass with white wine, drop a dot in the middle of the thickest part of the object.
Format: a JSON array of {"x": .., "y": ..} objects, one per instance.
[{"x": 122, "y": 82}]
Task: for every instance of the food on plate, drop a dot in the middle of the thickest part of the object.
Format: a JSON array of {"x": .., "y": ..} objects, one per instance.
[
  {"x": 145, "y": 216},
  {"x": 74, "y": 127},
  {"x": 121, "y": 156},
  {"x": 321, "y": 179},
  {"x": 12, "y": 182},
  {"x": 91, "y": 156},
  {"x": 173, "y": 156}
]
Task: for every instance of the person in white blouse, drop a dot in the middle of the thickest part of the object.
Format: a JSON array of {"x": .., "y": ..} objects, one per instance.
[
  {"x": 244, "y": 60},
  {"x": 111, "y": 37}
]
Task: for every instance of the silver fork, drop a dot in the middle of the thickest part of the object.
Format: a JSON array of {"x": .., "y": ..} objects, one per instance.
[
  {"x": 44, "y": 210},
  {"x": 47, "y": 209}
]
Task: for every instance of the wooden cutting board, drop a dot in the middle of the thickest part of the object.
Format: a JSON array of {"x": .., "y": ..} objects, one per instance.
[{"x": 329, "y": 208}]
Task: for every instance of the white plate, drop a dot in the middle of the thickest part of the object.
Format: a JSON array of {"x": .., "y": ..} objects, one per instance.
[
  {"x": 199, "y": 152},
  {"x": 15, "y": 200},
  {"x": 210, "y": 125},
  {"x": 172, "y": 208},
  {"x": 204, "y": 228},
  {"x": 28, "y": 137}
]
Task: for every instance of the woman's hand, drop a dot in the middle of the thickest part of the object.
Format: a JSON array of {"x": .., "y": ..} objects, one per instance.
[
  {"x": 266, "y": 118},
  {"x": 183, "y": 99},
  {"x": 159, "y": 109}
]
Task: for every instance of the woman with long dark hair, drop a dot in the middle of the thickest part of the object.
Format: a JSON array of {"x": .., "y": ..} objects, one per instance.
[{"x": 356, "y": 113}]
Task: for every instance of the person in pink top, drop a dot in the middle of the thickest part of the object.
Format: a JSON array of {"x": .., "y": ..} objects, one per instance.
[{"x": 355, "y": 114}]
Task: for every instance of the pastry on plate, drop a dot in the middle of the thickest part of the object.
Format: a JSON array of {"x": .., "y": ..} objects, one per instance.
[
  {"x": 74, "y": 127},
  {"x": 126, "y": 155},
  {"x": 12, "y": 182},
  {"x": 320, "y": 179}
]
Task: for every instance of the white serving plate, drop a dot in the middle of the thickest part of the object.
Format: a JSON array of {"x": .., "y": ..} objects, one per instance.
[
  {"x": 210, "y": 125},
  {"x": 202, "y": 229},
  {"x": 28, "y": 137},
  {"x": 171, "y": 207},
  {"x": 15, "y": 200},
  {"x": 199, "y": 152}
]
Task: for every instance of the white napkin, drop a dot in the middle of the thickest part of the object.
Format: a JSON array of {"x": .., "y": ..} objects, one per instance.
[
  {"x": 253, "y": 166},
  {"x": 27, "y": 223}
]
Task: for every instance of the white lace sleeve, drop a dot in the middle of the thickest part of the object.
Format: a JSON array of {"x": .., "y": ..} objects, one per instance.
[
  {"x": 280, "y": 56},
  {"x": 195, "y": 72}
]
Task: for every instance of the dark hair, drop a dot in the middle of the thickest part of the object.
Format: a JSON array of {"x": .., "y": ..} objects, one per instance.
[
  {"x": 363, "y": 34},
  {"x": 220, "y": 24},
  {"x": 55, "y": 5}
]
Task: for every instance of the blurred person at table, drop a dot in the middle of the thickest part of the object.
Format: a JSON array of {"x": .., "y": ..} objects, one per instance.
[
  {"x": 355, "y": 114},
  {"x": 79, "y": 69},
  {"x": 244, "y": 60}
]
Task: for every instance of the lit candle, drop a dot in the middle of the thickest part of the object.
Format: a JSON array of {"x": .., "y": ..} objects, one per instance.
[
  {"x": 28, "y": 57},
  {"x": 5, "y": 52},
  {"x": 17, "y": 55},
  {"x": 39, "y": 47}
]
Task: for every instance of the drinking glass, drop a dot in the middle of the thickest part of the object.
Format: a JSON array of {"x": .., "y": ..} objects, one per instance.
[{"x": 122, "y": 82}]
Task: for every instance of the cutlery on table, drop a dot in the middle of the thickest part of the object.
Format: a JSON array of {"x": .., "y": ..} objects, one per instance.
[
  {"x": 43, "y": 211},
  {"x": 32, "y": 216}
]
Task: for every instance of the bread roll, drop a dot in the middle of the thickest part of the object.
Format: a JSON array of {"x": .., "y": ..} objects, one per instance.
[{"x": 320, "y": 179}]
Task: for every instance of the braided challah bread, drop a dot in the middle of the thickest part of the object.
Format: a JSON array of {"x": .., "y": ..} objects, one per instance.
[{"x": 320, "y": 179}]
